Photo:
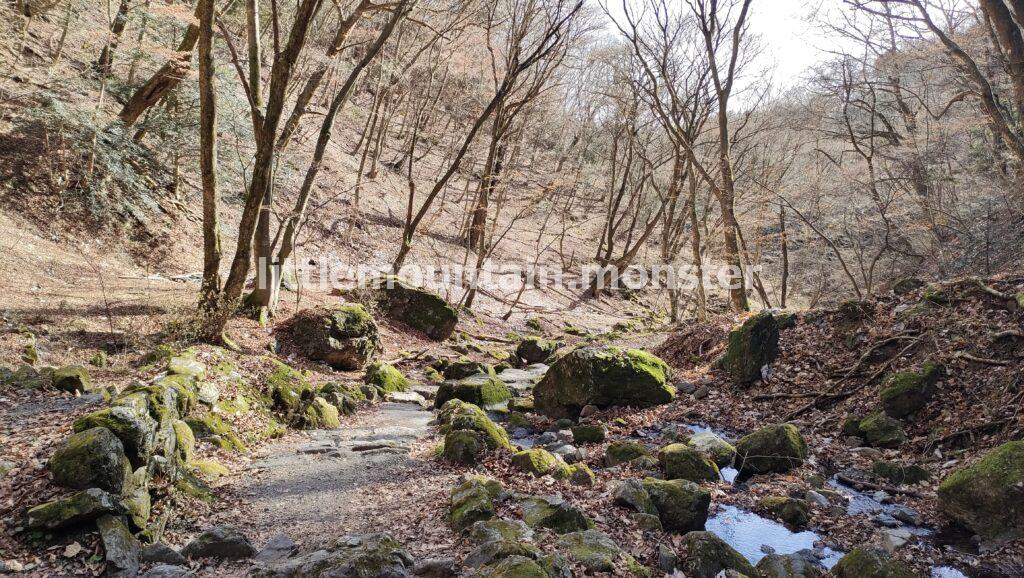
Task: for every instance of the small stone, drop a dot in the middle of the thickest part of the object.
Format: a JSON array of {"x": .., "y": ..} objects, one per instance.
[
  {"x": 168, "y": 571},
  {"x": 435, "y": 568},
  {"x": 667, "y": 559},
  {"x": 647, "y": 522},
  {"x": 160, "y": 553},
  {"x": 817, "y": 499},
  {"x": 886, "y": 521},
  {"x": 894, "y": 539},
  {"x": 588, "y": 410},
  {"x": 223, "y": 542},
  {"x": 701, "y": 392}
]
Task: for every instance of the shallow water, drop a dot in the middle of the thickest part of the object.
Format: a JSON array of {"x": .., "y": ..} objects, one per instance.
[{"x": 747, "y": 533}]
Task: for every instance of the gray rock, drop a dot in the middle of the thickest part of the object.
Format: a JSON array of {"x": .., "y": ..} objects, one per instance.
[
  {"x": 816, "y": 499},
  {"x": 122, "y": 549},
  {"x": 701, "y": 392},
  {"x": 906, "y": 515},
  {"x": 160, "y": 553},
  {"x": 435, "y": 568},
  {"x": 647, "y": 522},
  {"x": 277, "y": 548},
  {"x": 569, "y": 453},
  {"x": 588, "y": 410},
  {"x": 348, "y": 557},
  {"x": 93, "y": 458},
  {"x": 631, "y": 493},
  {"x": 208, "y": 393},
  {"x": 168, "y": 571},
  {"x": 75, "y": 510},
  {"x": 667, "y": 559},
  {"x": 802, "y": 564},
  {"x": 894, "y": 539},
  {"x": 886, "y": 521},
  {"x": 223, "y": 542},
  {"x": 591, "y": 548}
]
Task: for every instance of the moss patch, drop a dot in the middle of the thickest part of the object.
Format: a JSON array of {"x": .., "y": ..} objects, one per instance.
[{"x": 386, "y": 377}]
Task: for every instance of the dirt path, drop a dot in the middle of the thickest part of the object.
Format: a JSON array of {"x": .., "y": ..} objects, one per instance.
[{"x": 372, "y": 475}]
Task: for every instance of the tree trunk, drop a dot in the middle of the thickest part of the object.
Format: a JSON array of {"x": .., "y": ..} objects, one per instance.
[
  {"x": 211, "y": 286},
  {"x": 104, "y": 64}
]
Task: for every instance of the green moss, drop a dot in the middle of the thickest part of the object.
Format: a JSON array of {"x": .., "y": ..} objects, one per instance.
[
  {"x": 185, "y": 442},
  {"x": 183, "y": 365},
  {"x": 472, "y": 501},
  {"x": 1020, "y": 300},
  {"x": 287, "y": 387},
  {"x": 882, "y": 431},
  {"x": 514, "y": 567},
  {"x": 899, "y": 473},
  {"x": 708, "y": 556},
  {"x": 681, "y": 505},
  {"x": 934, "y": 293},
  {"x": 720, "y": 451},
  {"x": 386, "y": 377},
  {"x": 536, "y": 349},
  {"x": 554, "y": 513},
  {"x": 321, "y": 414},
  {"x": 464, "y": 367},
  {"x": 274, "y": 430},
  {"x": 751, "y": 346},
  {"x": 193, "y": 487},
  {"x": 481, "y": 389},
  {"x": 75, "y": 510},
  {"x": 458, "y": 415},
  {"x": 185, "y": 391},
  {"x": 91, "y": 458},
  {"x": 212, "y": 428},
  {"x": 589, "y": 433},
  {"x": 577, "y": 474},
  {"x": 681, "y": 462},
  {"x": 209, "y": 469},
  {"x": 535, "y": 461},
  {"x": 864, "y": 562},
  {"x": 907, "y": 392},
  {"x": 620, "y": 452},
  {"x": 418, "y": 308},
  {"x": 987, "y": 497},
  {"x": 130, "y": 421},
  {"x": 591, "y": 548}
]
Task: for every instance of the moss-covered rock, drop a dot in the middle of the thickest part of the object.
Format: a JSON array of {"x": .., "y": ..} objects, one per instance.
[
  {"x": 988, "y": 497},
  {"x": 320, "y": 414},
  {"x": 462, "y": 447},
  {"x": 593, "y": 549},
  {"x": 386, "y": 377},
  {"x": 792, "y": 511},
  {"x": 591, "y": 433},
  {"x": 752, "y": 345},
  {"x": 209, "y": 469},
  {"x": 603, "y": 377},
  {"x": 185, "y": 394},
  {"x": 790, "y": 566},
  {"x": 473, "y": 501},
  {"x": 631, "y": 493},
  {"x": 184, "y": 442},
  {"x": 621, "y": 452},
  {"x": 75, "y": 510},
  {"x": 882, "y": 431},
  {"x": 92, "y": 458},
  {"x": 514, "y": 567},
  {"x": 682, "y": 505},
  {"x": 128, "y": 419},
  {"x": 554, "y": 513},
  {"x": 458, "y": 415},
  {"x": 136, "y": 498},
  {"x": 499, "y": 530},
  {"x": 681, "y": 462},
  {"x": 865, "y": 562},
  {"x": 342, "y": 336},
  {"x": 481, "y": 389},
  {"x": 186, "y": 365},
  {"x": 935, "y": 293},
  {"x": 288, "y": 388},
  {"x": 775, "y": 448},
  {"x": 906, "y": 392},
  {"x": 707, "y": 555},
  {"x": 900, "y": 473},
  {"x": 536, "y": 349},
  {"x": 417, "y": 308},
  {"x": 28, "y": 377},
  {"x": 212, "y": 428},
  {"x": 461, "y": 368},
  {"x": 220, "y": 542},
  {"x": 577, "y": 474},
  {"x": 720, "y": 451},
  {"x": 536, "y": 461},
  {"x": 72, "y": 378}
]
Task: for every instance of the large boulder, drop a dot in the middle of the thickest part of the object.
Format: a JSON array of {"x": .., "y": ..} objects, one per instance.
[
  {"x": 906, "y": 392},
  {"x": 417, "y": 308},
  {"x": 775, "y": 448},
  {"x": 75, "y": 510},
  {"x": 682, "y": 505},
  {"x": 342, "y": 336},
  {"x": 481, "y": 389},
  {"x": 681, "y": 462},
  {"x": 129, "y": 419},
  {"x": 752, "y": 345},
  {"x": 221, "y": 542},
  {"x": 707, "y": 555},
  {"x": 457, "y": 415},
  {"x": 554, "y": 513},
  {"x": 792, "y": 511},
  {"x": 536, "y": 461},
  {"x": 461, "y": 368},
  {"x": 865, "y": 562},
  {"x": 472, "y": 501},
  {"x": 93, "y": 458},
  {"x": 623, "y": 451},
  {"x": 371, "y": 555},
  {"x": 988, "y": 497},
  {"x": 799, "y": 565},
  {"x": 385, "y": 377},
  {"x": 632, "y": 494},
  {"x": 593, "y": 549},
  {"x": 603, "y": 377}
]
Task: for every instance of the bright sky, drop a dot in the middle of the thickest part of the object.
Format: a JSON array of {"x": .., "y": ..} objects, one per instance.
[{"x": 791, "y": 42}]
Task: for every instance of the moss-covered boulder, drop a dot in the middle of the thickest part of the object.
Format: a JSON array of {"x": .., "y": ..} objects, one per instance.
[
  {"x": 386, "y": 377},
  {"x": 790, "y": 566},
  {"x": 320, "y": 414},
  {"x": 592, "y": 549},
  {"x": 129, "y": 419},
  {"x": 458, "y": 415},
  {"x": 576, "y": 474},
  {"x": 621, "y": 452},
  {"x": 882, "y": 431},
  {"x": 866, "y": 562},
  {"x": 212, "y": 428},
  {"x": 463, "y": 447},
  {"x": 707, "y": 555},
  {"x": 288, "y": 388},
  {"x": 681, "y": 462},
  {"x": 682, "y": 505},
  {"x": 461, "y": 368},
  {"x": 28, "y": 377},
  {"x": 473, "y": 501},
  {"x": 342, "y": 336},
  {"x": 603, "y": 377},
  {"x": 792, "y": 511},
  {"x": 752, "y": 345},
  {"x": 72, "y": 378},
  {"x": 720, "y": 451},
  {"x": 554, "y": 513},
  {"x": 515, "y": 567},
  {"x": 988, "y": 497},
  {"x": 772, "y": 449},
  {"x": 589, "y": 433},
  {"x": 536, "y": 461},
  {"x": 631, "y": 493},
  {"x": 92, "y": 458},
  {"x": 481, "y": 389},
  {"x": 75, "y": 510},
  {"x": 418, "y": 308},
  {"x": 900, "y": 473},
  {"x": 536, "y": 349},
  {"x": 906, "y": 392}
]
